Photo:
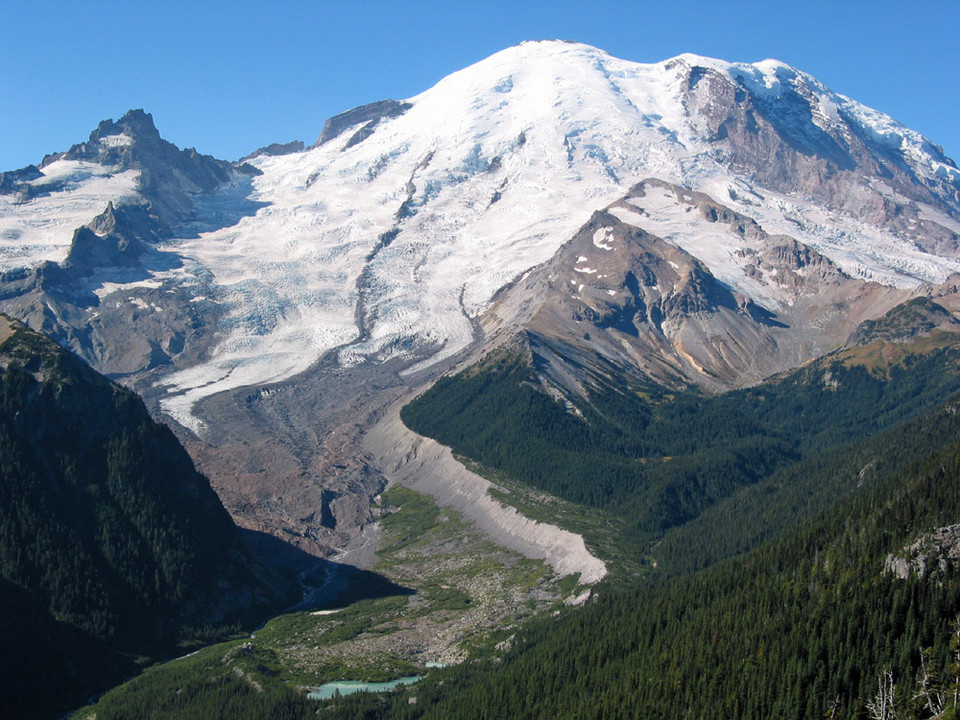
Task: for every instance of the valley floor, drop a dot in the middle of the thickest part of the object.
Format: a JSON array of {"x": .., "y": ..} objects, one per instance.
[{"x": 438, "y": 592}]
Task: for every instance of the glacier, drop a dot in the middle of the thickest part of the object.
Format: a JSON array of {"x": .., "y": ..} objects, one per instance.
[{"x": 390, "y": 239}]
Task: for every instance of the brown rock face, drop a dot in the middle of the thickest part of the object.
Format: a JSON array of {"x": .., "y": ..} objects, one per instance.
[
  {"x": 619, "y": 296},
  {"x": 708, "y": 287},
  {"x": 784, "y": 144}
]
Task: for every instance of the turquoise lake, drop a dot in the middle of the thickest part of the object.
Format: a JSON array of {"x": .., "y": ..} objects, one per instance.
[{"x": 347, "y": 687}]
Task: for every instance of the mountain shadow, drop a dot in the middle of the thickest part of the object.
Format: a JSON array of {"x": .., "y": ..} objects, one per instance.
[{"x": 114, "y": 550}]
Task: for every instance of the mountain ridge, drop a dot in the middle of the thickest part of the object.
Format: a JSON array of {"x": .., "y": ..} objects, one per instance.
[
  {"x": 107, "y": 530},
  {"x": 399, "y": 245},
  {"x": 663, "y": 290}
]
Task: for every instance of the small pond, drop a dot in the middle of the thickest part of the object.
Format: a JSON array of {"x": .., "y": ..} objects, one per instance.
[{"x": 347, "y": 687}]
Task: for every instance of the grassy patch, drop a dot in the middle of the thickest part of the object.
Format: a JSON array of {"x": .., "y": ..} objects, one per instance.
[{"x": 880, "y": 357}]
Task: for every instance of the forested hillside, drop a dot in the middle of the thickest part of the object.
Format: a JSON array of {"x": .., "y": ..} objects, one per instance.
[
  {"x": 848, "y": 600},
  {"x": 662, "y": 458},
  {"x": 852, "y": 614},
  {"x": 815, "y": 624},
  {"x": 112, "y": 546}
]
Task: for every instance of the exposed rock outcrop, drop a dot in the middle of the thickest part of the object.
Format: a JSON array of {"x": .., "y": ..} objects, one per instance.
[
  {"x": 623, "y": 294},
  {"x": 368, "y": 115},
  {"x": 930, "y": 556},
  {"x": 427, "y": 466},
  {"x": 274, "y": 149}
]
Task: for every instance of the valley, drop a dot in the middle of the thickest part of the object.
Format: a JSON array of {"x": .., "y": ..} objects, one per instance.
[{"x": 439, "y": 593}]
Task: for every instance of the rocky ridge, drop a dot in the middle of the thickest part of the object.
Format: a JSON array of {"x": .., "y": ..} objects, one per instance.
[
  {"x": 634, "y": 291},
  {"x": 426, "y": 466}
]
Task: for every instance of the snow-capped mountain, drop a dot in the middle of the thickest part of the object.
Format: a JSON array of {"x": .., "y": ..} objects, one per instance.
[
  {"x": 397, "y": 230},
  {"x": 759, "y": 215}
]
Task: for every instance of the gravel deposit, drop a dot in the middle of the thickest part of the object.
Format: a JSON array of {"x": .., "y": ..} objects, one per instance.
[{"x": 426, "y": 466}]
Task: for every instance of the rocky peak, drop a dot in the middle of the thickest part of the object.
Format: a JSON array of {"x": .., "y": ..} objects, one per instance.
[
  {"x": 629, "y": 299},
  {"x": 135, "y": 123},
  {"x": 125, "y": 143},
  {"x": 276, "y": 149},
  {"x": 117, "y": 238},
  {"x": 919, "y": 316},
  {"x": 105, "y": 222},
  {"x": 133, "y": 142},
  {"x": 131, "y": 221},
  {"x": 368, "y": 115},
  {"x": 16, "y": 180}
]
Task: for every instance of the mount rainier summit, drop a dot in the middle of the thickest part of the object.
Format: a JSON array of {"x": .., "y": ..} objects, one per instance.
[{"x": 694, "y": 222}]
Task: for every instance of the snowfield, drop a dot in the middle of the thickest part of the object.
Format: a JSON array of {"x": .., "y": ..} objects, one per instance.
[
  {"x": 70, "y": 194},
  {"x": 388, "y": 246}
]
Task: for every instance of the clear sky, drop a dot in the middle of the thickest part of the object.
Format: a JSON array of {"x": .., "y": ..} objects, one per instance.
[{"x": 229, "y": 77}]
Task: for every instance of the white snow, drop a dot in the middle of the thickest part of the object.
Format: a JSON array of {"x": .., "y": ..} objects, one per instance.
[
  {"x": 552, "y": 131},
  {"x": 108, "y": 288},
  {"x": 767, "y": 77},
  {"x": 116, "y": 140},
  {"x": 861, "y": 249},
  {"x": 41, "y": 229},
  {"x": 327, "y": 209},
  {"x": 602, "y": 238}
]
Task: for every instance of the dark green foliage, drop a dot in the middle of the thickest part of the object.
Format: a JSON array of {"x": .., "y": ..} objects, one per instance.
[
  {"x": 918, "y": 316},
  {"x": 35, "y": 646},
  {"x": 796, "y": 629},
  {"x": 104, "y": 523},
  {"x": 799, "y": 628},
  {"x": 661, "y": 459},
  {"x": 220, "y": 698},
  {"x": 808, "y": 487},
  {"x": 205, "y": 687},
  {"x": 103, "y": 513}
]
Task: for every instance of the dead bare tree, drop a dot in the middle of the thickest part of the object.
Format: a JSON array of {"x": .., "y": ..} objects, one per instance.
[
  {"x": 929, "y": 687},
  {"x": 955, "y": 669},
  {"x": 883, "y": 705}
]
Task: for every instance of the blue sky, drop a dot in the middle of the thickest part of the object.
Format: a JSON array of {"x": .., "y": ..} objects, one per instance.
[{"x": 228, "y": 77}]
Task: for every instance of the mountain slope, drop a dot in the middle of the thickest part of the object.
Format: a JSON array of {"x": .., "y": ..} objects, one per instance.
[
  {"x": 387, "y": 245},
  {"x": 804, "y": 627},
  {"x": 661, "y": 456},
  {"x": 612, "y": 255},
  {"x": 49, "y": 666},
  {"x": 106, "y": 529},
  {"x": 682, "y": 289},
  {"x": 407, "y": 234}
]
